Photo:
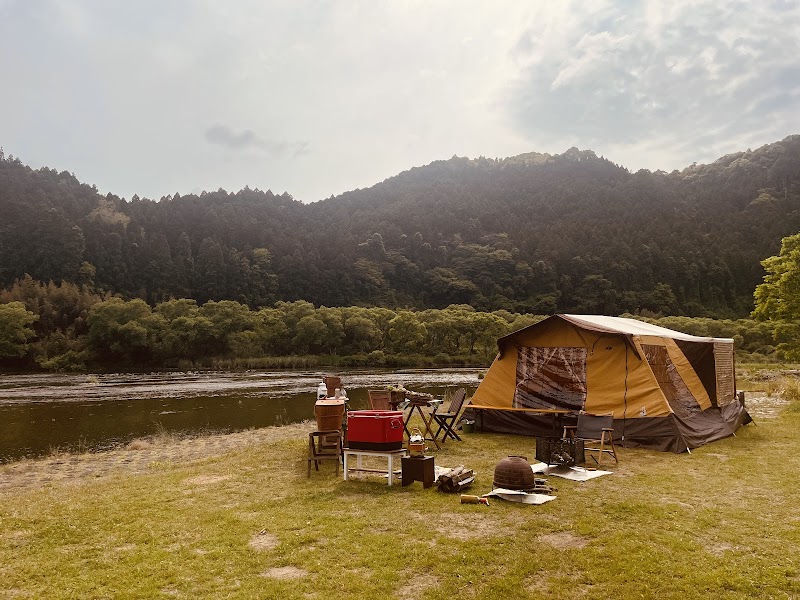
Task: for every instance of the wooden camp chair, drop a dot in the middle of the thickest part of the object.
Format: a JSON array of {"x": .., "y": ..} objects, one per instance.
[
  {"x": 380, "y": 399},
  {"x": 447, "y": 419},
  {"x": 597, "y": 433},
  {"x": 324, "y": 445}
]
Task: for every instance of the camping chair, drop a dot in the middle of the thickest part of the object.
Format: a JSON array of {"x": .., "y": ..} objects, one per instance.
[
  {"x": 598, "y": 431},
  {"x": 447, "y": 420},
  {"x": 380, "y": 399}
]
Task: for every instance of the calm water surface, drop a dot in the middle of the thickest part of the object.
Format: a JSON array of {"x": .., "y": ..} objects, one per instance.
[{"x": 42, "y": 413}]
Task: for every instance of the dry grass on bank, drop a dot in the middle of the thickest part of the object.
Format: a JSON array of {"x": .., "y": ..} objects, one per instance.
[{"x": 721, "y": 522}]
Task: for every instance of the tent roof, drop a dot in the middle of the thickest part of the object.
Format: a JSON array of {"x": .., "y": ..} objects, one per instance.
[
  {"x": 622, "y": 326},
  {"x": 634, "y": 327}
]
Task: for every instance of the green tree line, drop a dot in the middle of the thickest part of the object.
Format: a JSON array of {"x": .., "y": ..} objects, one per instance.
[
  {"x": 778, "y": 297},
  {"x": 64, "y": 326}
]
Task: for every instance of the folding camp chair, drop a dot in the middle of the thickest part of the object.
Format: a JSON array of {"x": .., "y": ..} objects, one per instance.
[
  {"x": 380, "y": 399},
  {"x": 597, "y": 433},
  {"x": 447, "y": 419}
]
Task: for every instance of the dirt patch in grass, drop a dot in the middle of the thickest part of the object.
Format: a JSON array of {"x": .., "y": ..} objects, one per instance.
[
  {"x": 563, "y": 540},
  {"x": 537, "y": 584},
  {"x": 16, "y": 538},
  {"x": 285, "y": 573},
  {"x": 673, "y": 502},
  {"x": 206, "y": 479},
  {"x": 618, "y": 469},
  {"x": 416, "y": 587},
  {"x": 719, "y": 549},
  {"x": 473, "y": 526},
  {"x": 721, "y": 457},
  {"x": 263, "y": 541}
]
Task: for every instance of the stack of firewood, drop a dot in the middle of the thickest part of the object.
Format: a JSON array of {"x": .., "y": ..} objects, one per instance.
[
  {"x": 455, "y": 480},
  {"x": 540, "y": 486}
]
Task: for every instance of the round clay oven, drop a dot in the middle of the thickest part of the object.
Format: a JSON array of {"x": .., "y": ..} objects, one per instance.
[{"x": 514, "y": 473}]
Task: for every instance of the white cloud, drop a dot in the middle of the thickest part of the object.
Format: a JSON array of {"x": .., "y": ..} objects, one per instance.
[
  {"x": 660, "y": 85},
  {"x": 152, "y": 97}
]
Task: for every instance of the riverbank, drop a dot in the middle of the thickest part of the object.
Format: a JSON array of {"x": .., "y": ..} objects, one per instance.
[
  {"x": 235, "y": 516},
  {"x": 42, "y": 413},
  {"x": 138, "y": 457},
  {"x": 144, "y": 455}
]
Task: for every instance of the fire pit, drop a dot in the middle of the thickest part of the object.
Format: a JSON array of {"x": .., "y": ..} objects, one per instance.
[{"x": 514, "y": 473}]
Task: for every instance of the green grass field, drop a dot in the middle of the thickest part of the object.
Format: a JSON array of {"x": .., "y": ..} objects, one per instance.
[{"x": 721, "y": 522}]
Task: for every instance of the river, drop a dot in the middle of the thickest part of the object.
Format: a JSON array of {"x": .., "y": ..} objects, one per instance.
[{"x": 44, "y": 413}]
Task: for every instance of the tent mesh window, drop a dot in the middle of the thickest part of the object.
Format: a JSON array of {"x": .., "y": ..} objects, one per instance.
[
  {"x": 551, "y": 378},
  {"x": 680, "y": 399},
  {"x": 723, "y": 361}
]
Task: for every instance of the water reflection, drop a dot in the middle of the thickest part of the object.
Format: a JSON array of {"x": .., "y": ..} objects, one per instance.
[{"x": 41, "y": 413}]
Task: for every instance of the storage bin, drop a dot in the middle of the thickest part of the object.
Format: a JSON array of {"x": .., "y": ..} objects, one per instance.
[
  {"x": 375, "y": 429},
  {"x": 329, "y": 414},
  {"x": 560, "y": 451}
]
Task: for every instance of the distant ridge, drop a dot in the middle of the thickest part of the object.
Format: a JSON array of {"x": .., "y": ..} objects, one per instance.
[{"x": 536, "y": 232}]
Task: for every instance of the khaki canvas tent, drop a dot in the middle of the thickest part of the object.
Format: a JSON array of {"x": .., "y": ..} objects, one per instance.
[{"x": 667, "y": 390}]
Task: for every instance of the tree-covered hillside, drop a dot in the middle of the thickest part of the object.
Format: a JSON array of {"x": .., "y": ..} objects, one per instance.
[{"x": 532, "y": 233}]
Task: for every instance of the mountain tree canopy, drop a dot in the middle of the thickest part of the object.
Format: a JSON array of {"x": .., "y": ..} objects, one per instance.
[{"x": 535, "y": 233}]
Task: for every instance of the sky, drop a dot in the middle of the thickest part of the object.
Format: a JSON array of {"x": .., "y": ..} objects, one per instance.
[{"x": 315, "y": 98}]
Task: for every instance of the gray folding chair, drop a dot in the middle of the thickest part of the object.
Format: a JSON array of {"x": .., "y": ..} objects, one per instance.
[{"x": 597, "y": 433}]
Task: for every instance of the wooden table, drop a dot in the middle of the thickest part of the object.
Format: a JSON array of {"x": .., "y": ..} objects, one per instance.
[
  {"x": 418, "y": 402},
  {"x": 389, "y": 455}
]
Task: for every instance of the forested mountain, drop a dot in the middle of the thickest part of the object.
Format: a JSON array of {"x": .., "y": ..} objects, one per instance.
[{"x": 533, "y": 233}]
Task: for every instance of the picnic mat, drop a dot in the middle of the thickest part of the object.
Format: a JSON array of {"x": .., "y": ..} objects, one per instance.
[
  {"x": 571, "y": 473},
  {"x": 518, "y": 496}
]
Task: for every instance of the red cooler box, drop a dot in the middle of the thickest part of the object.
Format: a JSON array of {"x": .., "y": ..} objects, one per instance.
[{"x": 375, "y": 429}]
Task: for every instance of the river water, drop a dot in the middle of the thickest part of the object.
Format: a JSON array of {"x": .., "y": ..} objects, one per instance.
[{"x": 40, "y": 414}]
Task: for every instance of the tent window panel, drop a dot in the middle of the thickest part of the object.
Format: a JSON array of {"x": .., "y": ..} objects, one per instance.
[
  {"x": 723, "y": 360},
  {"x": 680, "y": 399},
  {"x": 551, "y": 378}
]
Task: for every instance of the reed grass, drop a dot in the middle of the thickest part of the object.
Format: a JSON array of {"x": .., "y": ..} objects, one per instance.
[{"x": 790, "y": 391}]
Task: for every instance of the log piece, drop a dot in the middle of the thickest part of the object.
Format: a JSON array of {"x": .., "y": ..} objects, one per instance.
[{"x": 455, "y": 480}]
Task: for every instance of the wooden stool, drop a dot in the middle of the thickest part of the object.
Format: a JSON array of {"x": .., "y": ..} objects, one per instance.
[
  {"x": 324, "y": 445},
  {"x": 418, "y": 468}
]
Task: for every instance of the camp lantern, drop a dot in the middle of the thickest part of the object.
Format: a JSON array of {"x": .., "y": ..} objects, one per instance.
[{"x": 416, "y": 443}]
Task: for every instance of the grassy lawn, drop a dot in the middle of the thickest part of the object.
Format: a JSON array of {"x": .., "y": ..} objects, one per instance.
[{"x": 722, "y": 522}]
